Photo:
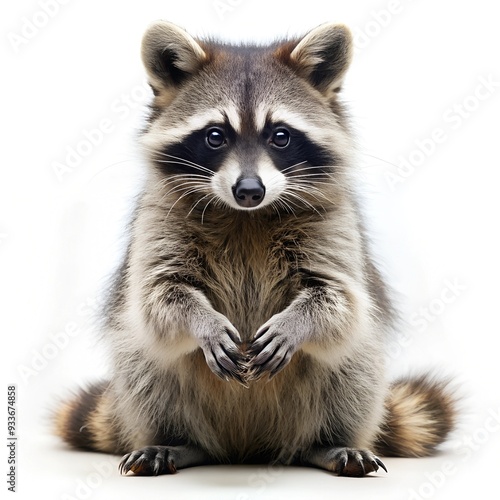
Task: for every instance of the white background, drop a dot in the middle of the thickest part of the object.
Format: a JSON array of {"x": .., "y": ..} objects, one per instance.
[{"x": 417, "y": 64}]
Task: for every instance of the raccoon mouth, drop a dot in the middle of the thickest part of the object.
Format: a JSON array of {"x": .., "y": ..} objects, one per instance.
[{"x": 249, "y": 192}]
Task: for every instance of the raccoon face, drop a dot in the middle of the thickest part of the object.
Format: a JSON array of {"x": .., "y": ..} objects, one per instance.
[{"x": 244, "y": 126}]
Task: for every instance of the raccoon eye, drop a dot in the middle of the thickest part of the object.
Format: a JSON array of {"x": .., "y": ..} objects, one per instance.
[
  {"x": 215, "y": 138},
  {"x": 280, "y": 138}
]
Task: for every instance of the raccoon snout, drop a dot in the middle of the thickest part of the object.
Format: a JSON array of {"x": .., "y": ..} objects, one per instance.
[{"x": 249, "y": 192}]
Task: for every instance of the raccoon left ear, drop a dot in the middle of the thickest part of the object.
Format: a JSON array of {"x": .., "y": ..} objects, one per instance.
[
  {"x": 323, "y": 56},
  {"x": 170, "y": 55}
]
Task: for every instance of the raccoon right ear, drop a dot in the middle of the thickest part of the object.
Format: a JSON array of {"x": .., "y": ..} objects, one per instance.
[
  {"x": 323, "y": 56},
  {"x": 170, "y": 55}
]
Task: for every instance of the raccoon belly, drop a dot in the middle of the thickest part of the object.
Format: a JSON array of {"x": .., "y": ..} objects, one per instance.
[{"x": 269, "y": 421}]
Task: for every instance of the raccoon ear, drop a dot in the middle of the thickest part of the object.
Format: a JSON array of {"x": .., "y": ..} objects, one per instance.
[
  {"x": 170, "y": 54},
  {"x": 323, "y": 56}
]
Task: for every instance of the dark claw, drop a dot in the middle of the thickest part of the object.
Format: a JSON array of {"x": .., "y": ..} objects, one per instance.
[
  {"x": 340, "y": 470},
  {"x": 171, "y": 467},
  {"x": 362, "y": 466},
  {"x": 263, "y": 356},
  {"x": 233, "y": 337},
  {"x": 225, "y": 369},
  {"x": 128, "y": 460},
  {"x": 379, "y": 462},
  {"x": 285, "y": 359},
  {"x": 225, "y": 362},
  {"x": 273, "y": 364},
  {"x": 259, "y": 334},
  {"x": 233, "y": 353},
  {"x": 341, "y": 462}
]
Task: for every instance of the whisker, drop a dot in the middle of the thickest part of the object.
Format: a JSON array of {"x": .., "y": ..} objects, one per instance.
[
  {"x": 174, "y": 191},
  {"x": 206, "y": 171},
  {"x": 381, "y": 159},
  {"x": 179, "y": 199},
  {"x": 274, "y": 206},
  {"x": 198, "y": 167},
  {"x": 311, "y": 191},
  {"x": 173, "y": 177},
  {"x": 286, "y": 206},
  {"x": 196, "y": 203},
  {"x": 298, "y": 180},
  {"x": 206, "y": 206},
  {"x": 292, "y": 166},
  {"x": 310, "y": 182},
  {"x": 306, "y": 188},
  {"x": 287, "y": 169},
  {"x": 316, "y": 176},
  {"x": 289, "y": 202},
  {"x": 305, "y": 202},
  {"x": 163, "y": 184},
  {"x": 177, "y": 189},
  {"x": 312, "y": 167},
  {"x": 187, "y": 182},
  {"x": 178, "y": 158}
]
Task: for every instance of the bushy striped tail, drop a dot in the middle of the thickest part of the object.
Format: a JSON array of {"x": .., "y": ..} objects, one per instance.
[
  {"x": 421, "y": 412},
  {"x": 85, "y": 421}
]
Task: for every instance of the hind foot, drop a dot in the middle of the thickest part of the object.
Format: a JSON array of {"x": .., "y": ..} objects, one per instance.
[
  {"x": 156, "y": 460},
  {"x": 344, "y": 461}
]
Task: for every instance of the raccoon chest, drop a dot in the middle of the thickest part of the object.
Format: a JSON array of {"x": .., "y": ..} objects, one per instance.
[{"x": 249, "y": 288}]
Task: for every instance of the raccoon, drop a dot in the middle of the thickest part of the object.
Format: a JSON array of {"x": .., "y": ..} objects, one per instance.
[{"x": 248, "y": 321}]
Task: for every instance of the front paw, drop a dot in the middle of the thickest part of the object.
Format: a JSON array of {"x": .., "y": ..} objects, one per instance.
[
  {"x": 274, "y": 345},
  {"x": 220, "y": 343}
]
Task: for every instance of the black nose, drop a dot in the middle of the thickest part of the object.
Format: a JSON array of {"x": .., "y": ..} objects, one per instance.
[{"x": 249, "y": 192}]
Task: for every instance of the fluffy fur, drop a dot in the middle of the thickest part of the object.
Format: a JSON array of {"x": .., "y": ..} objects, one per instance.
[{"x": 249, "y": 325}]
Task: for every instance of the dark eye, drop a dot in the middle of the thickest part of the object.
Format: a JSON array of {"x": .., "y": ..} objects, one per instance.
[
  {"x": 215, "y": 138},
  {"x": 280, "y": 138}
]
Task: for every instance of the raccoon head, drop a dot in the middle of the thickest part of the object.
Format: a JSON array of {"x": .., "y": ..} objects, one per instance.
[{"x": 247, "y": 127}]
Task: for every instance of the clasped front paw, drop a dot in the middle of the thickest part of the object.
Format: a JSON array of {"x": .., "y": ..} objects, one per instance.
[
  {"x": 221, "y": 345},
  {"x": 273, "y": 346}
]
